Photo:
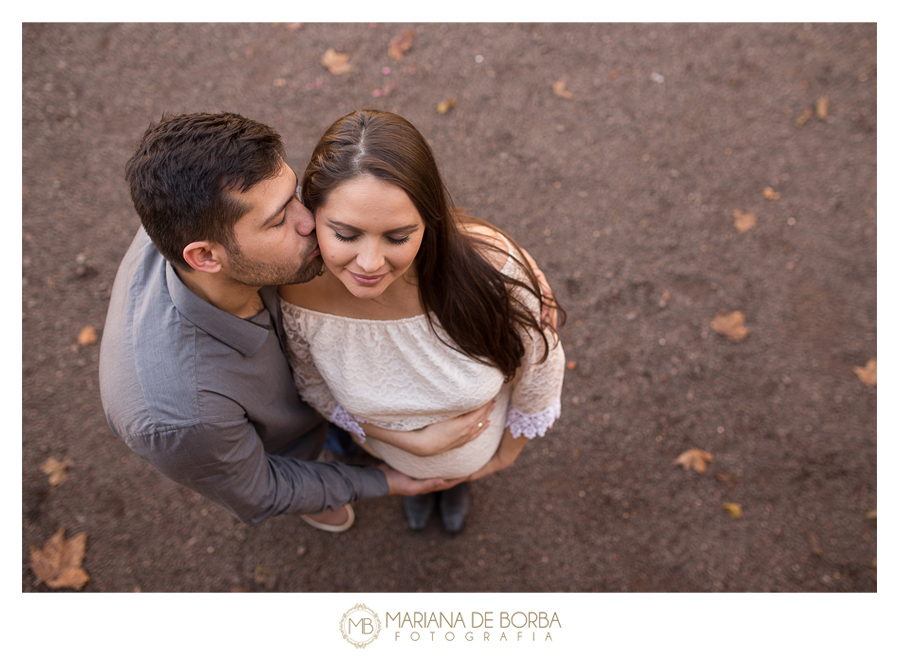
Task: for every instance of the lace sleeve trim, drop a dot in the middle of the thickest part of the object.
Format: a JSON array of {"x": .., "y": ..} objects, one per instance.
[
  {"x": 344, "y": 419},
  {"x": 532, "y": 425}
]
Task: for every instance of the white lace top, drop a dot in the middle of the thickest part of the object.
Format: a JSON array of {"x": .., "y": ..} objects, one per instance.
[{"x": 398, "y": 375}]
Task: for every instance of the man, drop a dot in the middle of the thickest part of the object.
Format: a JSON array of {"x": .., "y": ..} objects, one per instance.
[{"x": 193, "y": 375}]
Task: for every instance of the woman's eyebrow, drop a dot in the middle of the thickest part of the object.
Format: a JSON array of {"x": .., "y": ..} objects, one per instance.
[{"x": 334, "y": 222}]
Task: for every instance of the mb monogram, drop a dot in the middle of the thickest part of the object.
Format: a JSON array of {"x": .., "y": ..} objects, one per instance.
[{"x": 360, "y": 626}]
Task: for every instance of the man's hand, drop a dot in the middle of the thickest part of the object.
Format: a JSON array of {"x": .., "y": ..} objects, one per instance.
[
  {"x": 439, "y": 437},
  {"x": 403, "y": 485}
]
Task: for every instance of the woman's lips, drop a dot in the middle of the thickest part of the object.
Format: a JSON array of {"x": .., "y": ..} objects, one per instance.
[{"x": 364, "y": 280}]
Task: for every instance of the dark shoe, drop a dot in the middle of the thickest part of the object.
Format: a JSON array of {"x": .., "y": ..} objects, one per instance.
[
  {"x": 455, "y": 507},
  {"x": 418, "y": 509}
]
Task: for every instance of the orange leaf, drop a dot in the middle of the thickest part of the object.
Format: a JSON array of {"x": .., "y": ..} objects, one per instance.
[
  {"x": 446, "y": 105},
  {"x": 87, "y": 336},
  {"x": 744, "y": 221},
  {"x": 822, "y": 108},
  {"x": 400, "y": 44},
  {"x": 869, "y": 374},
  {"x": 734, "y": 509},
  {"x": 559, "y": 88},
  {"x": 58, "y": 563},
  {"x": 336, "y": 63},
  {"x": 56, "y": 470},
  {"x": 730, "y": 325},
  {"x": 694, "y": 458},
  {"x": 771, "y": 194}
]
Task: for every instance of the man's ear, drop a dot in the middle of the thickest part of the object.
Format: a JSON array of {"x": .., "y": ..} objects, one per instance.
[{"x": 203, "y": 256}]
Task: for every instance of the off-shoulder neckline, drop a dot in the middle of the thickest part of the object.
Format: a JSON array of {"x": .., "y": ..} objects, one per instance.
[{"x": 303, "y": 309}]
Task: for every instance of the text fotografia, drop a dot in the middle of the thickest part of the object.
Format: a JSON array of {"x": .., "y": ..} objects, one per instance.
[{"x": 482, "y": 626}]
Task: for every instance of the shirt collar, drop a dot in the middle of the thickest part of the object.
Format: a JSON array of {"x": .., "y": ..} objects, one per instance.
[{"x": 239, "y": 334}]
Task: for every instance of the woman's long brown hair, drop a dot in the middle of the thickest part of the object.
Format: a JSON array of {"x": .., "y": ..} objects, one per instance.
[{"x": 470, "y": 298}]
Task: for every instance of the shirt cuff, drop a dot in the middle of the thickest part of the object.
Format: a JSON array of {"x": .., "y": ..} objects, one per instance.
[
  {"x": 344, "y": 419},
  {"x": 532, "y": 425}
]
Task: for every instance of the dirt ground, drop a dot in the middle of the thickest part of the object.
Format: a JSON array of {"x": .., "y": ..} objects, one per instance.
[{"x": 623, "y": 183}]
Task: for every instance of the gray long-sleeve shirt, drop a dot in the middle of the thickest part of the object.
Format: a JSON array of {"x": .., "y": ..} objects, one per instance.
[{"x": 208, "y": 398}]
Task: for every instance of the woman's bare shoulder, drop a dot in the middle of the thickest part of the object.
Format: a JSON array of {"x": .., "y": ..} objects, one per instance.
[{"x": 307, "y": 295}]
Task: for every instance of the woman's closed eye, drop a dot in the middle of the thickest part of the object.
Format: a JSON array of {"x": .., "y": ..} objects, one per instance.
[{"x": 352, "y": 238}]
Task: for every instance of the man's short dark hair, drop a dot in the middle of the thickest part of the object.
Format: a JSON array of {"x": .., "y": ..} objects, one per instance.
[{"x": 183, "y": 169}]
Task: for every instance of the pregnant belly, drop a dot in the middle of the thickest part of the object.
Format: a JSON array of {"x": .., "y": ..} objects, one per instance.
[{"x": 455, "y": 463}]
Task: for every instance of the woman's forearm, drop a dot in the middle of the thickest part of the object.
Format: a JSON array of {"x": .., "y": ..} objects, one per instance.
[
  {"x": 506, "y": 454},
  {"x": 438, "y": 437},
  {"x": 413, "y": 441}
]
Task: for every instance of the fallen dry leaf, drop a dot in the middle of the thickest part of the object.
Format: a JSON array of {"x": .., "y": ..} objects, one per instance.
[
  {"x": 58, "y": 563},
  {"x": 814, "y": 544},
  {"x": 694, "y": 458},
  {"x": 730, "y": 325},
  {"x": 446, "y": 105},
  {"x": 571, "y": 365},
  {"x": 266, "y": 579},
  {"x": 822, "y": 108},
  {"x": 336, "y": 63},
  {"x": 744, "y": 221},
  {"x": 730, "y": 480},
  {"x": 869, "y": 374},
  {"x": 804, "y": 117},
  {"x": 56, "y": 470},
  {"x": 771, "y": 194},
  {"x": 559, "y": 88},
  {"x": 87, "y": 336},
  {"x": 400, "y": 44},
  {"x": 734, "y": 509}
]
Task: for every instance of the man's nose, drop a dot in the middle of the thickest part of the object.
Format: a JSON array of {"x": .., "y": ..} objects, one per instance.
[{"x": 306, "y": 223}]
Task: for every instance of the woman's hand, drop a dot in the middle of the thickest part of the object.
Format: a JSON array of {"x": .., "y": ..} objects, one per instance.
[
  {"x": 439, "y": 437},
  {"x": 506, "y": 454}
]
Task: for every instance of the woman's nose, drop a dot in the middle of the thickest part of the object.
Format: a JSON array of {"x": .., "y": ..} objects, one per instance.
[{"x": 370, "y": 258}]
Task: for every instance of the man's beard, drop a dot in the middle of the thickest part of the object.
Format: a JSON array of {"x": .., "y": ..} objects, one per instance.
[{"x": 257, "y": 274}]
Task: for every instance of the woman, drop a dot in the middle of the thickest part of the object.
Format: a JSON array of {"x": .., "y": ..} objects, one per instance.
[{"x": 421, "y": 313}]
